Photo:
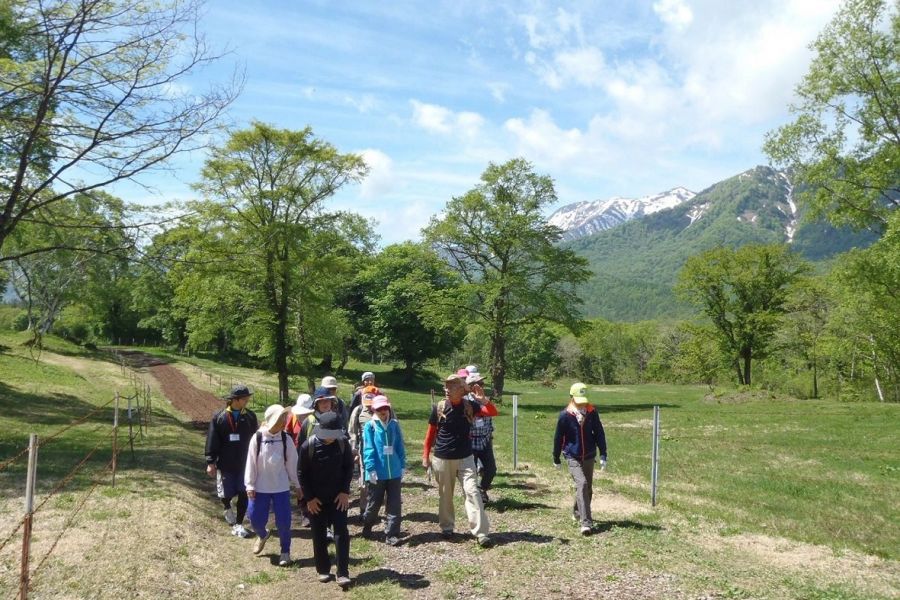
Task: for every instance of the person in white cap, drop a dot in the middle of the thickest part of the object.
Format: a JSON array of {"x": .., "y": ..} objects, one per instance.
[
  {"x": 368, "y": 379},
  {"x": 304, "y": 407},
  {"x": 579, "y": 437},
  {"x": 482, "y": 434},
  {"x": 384, "y": 460},
  {"x": 271, "y": 471},
  {"x": 330, "y": 384}
]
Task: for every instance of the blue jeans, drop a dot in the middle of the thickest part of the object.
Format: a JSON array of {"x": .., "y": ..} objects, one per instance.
[{"x": 259, "y": 516}]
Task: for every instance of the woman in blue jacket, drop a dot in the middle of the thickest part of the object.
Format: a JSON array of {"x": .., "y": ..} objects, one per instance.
[
  {"x": 579, "y": 436},
  {"x": 384, "y": 458}
]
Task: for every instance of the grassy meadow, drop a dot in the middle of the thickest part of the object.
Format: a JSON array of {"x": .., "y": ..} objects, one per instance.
[{"x": 760, "y": 497}]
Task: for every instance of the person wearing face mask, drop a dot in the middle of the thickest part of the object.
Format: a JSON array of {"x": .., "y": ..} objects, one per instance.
[
  {"x": 579, "y": 437},
  {"x": 384, "y": 460},
  {"x": 326, "y": 468},
  {"x": 270, "y": 473},
  {"x": 227, "y": 443}
]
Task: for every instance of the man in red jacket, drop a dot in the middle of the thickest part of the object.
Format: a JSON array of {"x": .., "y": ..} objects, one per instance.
[{"x": 449, "y": 429}]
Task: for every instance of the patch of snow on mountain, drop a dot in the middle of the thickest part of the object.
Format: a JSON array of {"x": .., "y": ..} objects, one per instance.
[
  {"x": 586, "y": 218},
  {"x": 791, "y": 227},
  {"x": 696, "y": 212}
]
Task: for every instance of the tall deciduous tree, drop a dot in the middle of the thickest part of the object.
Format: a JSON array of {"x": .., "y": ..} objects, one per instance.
[
  {"x": 499, "y": 241},
  {"x": 743, "y": 292},
  {"x": 395, "y": 291},
  {"x": 844, "y": 144},
  {"x": 269, "y": 231},
  {"x": 93, "y": 92}
]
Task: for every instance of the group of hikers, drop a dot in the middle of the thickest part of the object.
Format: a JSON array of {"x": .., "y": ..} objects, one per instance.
[{"x": 318, "y": 446}]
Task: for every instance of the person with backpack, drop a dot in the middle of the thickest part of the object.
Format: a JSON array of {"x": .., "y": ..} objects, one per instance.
[
  {"x": 326, "y": 468},
  {"x": 330, "y": 384},
  {"x": 227, "y": 443},
  {"x": 368, "y": 380},
  {"x": 449, "y": 429},
  {"x": 579, "y": 437},
  {"x": 298, "y": 415},
  {"x": 384, "y": 461},
  {"x": 361, "y": 415},
  {"x": 270, "y": 473},
  {"x": 324, "y": 401},
  {"x": 482, "y": 434}
]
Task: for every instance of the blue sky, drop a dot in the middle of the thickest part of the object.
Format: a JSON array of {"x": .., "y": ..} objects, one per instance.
[{"x": 613, "y": 97}]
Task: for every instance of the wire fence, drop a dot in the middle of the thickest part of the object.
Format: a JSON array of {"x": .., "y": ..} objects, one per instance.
[{"x": 136, "y": 409}]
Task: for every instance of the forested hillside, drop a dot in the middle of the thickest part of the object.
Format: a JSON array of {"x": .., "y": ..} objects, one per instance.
[{"x": 635, "y": 264}]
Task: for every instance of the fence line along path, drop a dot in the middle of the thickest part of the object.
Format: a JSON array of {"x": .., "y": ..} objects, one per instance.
[{"x": 197, "y": 404}]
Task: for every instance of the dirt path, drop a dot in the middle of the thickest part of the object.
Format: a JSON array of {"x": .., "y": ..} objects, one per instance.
[{"x": 198, "y": 405}]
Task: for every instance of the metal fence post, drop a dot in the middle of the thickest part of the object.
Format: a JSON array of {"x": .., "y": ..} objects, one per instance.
[
  {"x": 654, "y": 461},
  {"x": 115, "y": 443},
  {"x": 515, "y": 432}
]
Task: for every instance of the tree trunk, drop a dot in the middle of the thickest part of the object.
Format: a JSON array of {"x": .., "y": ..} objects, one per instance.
[
  {"x": 747, "y": 367},
  {"x": 498, "y": 363},
  {"x": 815, "y": 380},
  {"x": 327, "y": 362},
  {"x": 740, "y": 374},
  {"x": 409, "y": 371}
]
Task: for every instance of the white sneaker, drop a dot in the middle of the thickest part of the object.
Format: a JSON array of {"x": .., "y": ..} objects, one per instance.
[
  {"x": 285, "y": 559},
  {"x": 229, "y": 517},
  {"x": 240, "y": 531},
  {"x": 585, "y": 530},
  {"x": 260, "y": 544}
]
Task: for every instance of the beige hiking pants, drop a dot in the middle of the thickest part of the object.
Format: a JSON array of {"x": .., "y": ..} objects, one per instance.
[{"x": 446, "y": 472}]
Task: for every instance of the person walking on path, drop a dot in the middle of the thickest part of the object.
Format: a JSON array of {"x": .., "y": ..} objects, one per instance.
[
  {"x": 270, "y": 473},
  {"x": 449, "y": 429},
  {"x": 579, "y": 437},
  {"x": 331, "y": 385},
  {"x": 304, "y": 407},
  {"x": 368, "y": 380},
  {"x": 326, "y": 468},
  {"x": 482, "y": 435},
  {"x": 227, "y": 442},
  {"x": 361, "y": 415},
  {"x": 384, "y": 460}
]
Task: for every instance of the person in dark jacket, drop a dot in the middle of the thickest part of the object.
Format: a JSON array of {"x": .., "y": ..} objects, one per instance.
[
  {"x": 326, "y": 468},
  {"x": 227, "y": 443},
  {"x": 579, "y": 436}
]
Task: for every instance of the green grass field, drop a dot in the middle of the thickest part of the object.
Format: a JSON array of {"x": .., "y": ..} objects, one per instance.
[{"x": 760, "y": 496}]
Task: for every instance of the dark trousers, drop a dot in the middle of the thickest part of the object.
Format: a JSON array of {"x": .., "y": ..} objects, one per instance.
[
  {"x": 376, "y": 494},
  {"x": 329, "y": 515},
  {"x": 485, "y": 458}
]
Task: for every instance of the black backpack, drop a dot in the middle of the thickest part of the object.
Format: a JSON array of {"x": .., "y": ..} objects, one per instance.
[{"x": 283, "y": 443}]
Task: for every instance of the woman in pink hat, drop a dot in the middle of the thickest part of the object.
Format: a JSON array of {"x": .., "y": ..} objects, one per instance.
[{"x": 384, "y": 459}]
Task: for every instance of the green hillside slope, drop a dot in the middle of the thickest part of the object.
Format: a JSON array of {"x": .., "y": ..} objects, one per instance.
[{"x": 636, "y": 264}]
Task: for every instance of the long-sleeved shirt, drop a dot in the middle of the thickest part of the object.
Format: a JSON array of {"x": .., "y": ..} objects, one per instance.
[
  {"x": 579, "y": 440},
  {"x": 327, "y": 472},
  {"x": 448, "y": 432},
  {"x": 383, "y": 451},
  {"x": 227, "y": 439},
  {"x": 271, "y": 467}
]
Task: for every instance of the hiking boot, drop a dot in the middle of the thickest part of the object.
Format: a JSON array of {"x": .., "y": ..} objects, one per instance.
[
  {"x": 324, "y": 577},
  {"x": 240, "y": 531},
  {"x": 484, "y": 541},
  {"x": 447, "y": 534},
  {"x": 229, "y": 517},
  {"x": 585, "y": 530},
  {"x": 392, "y": 541},
  {"x": 285, "y": 559},
  {"x": 260, "y": 544},
  {"x": 343, "y": 581},
  {"x": 484, "y": 497},
  {"x": 367, "y": 531}
]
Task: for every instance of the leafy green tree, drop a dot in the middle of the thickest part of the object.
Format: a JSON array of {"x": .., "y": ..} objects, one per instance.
[
  {"x": 394, "y": 294},
  {"x": 868, "y": 306},
  {"x": 92, "y": 92},
  {"x": 268, "y": 235},
  {"x": 743, "y": 292},
  {"x": 498, "y": 239},
  {"x": 805, "y": 324},
  {"x": 699, "y": 357},
  {"x": 844, "y": 145}
]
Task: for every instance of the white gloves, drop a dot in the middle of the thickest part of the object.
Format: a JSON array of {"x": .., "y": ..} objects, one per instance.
[
  {"x": 373, "y": 477},
  {"x": 602, "y": 465}
]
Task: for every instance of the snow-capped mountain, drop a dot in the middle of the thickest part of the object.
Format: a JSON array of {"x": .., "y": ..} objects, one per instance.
[{"x": 585, "y": 218}]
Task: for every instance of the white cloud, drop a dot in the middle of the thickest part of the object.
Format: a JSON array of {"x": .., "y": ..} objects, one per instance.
[
  {"x": 540, "y": 139},
  {"x": 498, "y": 90},
  {"x": 381, "y": 178},
  {"x": 584, "y": 66},
  {"x": 675, "y": 13},
  {"x": 439, "y": 119}
]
